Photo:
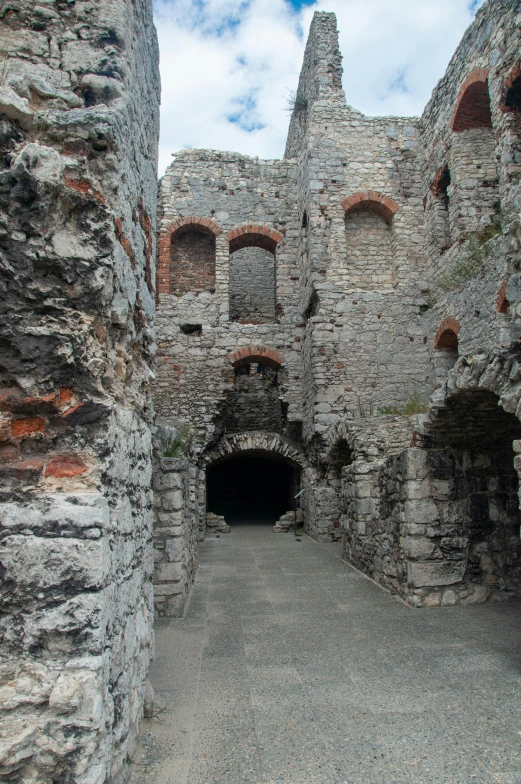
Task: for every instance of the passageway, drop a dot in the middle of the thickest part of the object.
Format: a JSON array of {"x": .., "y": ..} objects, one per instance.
[
  {"x": 291, "y": 667},
  {"x": 251, "y": 487}
]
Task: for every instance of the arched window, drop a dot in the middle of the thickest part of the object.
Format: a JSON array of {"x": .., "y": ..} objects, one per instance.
[
  {"x": 187, "y": 256},
  {"x": 369, "y": 240},
  {"x": 253, "y": 274},
  {"x": 254, "y": 402},
  {"x": 473, "y": 103},
  {"x": 473, "y": 156},
  {"x": 193, "y": 259},
  {"x": 446, "y": 349}
]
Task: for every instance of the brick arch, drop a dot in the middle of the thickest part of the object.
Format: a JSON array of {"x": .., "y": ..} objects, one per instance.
[
  {"x": 248, "y": 354},
  {"x": 447, "y": 334},
  {"x": 254, "y": 235},
  {"x": 165, "y": 245},
  {"x": 371, "y": 200},
  {"x": 254, "y": 441},
  {"x": 472, "y": 108}
]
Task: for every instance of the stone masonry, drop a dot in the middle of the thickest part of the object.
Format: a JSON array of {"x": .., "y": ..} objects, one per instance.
[
  {"x": 396, "y": 251},
  {"x": 345, "y": 321},
  {"x": 79, "y": 105}
]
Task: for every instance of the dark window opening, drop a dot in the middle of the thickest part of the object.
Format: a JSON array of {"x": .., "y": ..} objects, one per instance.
[
  {"x": 448, "y": 340},
  {"x": 294, "y": 431},
  {"x": 513, "y": 96},
  {"x": 440, "y": 219},
  {"x": 252, "y": 487},
  {"x": 341, "y": 454},
  {"x": 191, "y": 329},
  {"x": 254, "y": 402},
  {"x": 445, "y": 355},
  {"x": 312, "y": 306},
  {"x": 305, "y": 220}
]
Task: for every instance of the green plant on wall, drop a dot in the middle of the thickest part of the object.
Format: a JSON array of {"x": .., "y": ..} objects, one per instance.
[
  {"x": 413, "y": 405},
  {"x": 296, "y": 102},
  {"x": 472, "y": 259},
  {"x": 180, "y": 445}
]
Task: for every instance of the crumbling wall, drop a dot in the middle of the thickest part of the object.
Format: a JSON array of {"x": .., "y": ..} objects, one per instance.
[
  {"x": 195, "y": 380},
  {"x": 79, "y": 126},
  {"x": 468, "y": 270}
]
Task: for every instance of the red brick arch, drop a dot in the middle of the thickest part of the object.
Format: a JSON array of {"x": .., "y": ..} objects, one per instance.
[
  {"x": 371, "y": 200},
  {"x": 261, "y": 354},
  {"x": 447, "y": 334},
  {"x": 473, "y": 103},
  {"x": 254, "y": 236},
  {"x": 165, "y": 245}
]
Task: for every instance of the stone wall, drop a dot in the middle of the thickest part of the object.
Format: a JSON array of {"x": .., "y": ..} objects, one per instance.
[
  {"x": 249, "y": 203},
  {"x": 175, "y": 536},
  {"x": 78, "y": 128},
  {"x": 395, "y": 240},
  {"x": 193, "y": 261},
  {"x": 252, "y": 286}
]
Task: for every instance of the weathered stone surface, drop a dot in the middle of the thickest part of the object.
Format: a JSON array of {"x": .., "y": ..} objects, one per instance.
[
  {"x": 75, "y": 478},
  {"x": 428, "y": 574}
]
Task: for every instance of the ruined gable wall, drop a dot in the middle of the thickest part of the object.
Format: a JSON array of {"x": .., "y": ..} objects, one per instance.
[
  {"x": 440, "y": 524},
  {"x": 194, "y": 375},
  {"x": 77, "y": 198}
]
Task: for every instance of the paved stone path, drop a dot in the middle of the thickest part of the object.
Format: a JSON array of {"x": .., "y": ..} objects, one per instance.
[{"x": 291, "y": 667}]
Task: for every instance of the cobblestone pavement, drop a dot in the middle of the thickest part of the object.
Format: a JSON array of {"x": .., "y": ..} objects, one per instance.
[{"x": 291, "y": 667}]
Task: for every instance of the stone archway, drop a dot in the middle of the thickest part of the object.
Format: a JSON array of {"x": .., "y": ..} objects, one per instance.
[
  {"x": 254, "y": 441},
  {"x": 251, "y": 477},
  {"x": 462, "y": 543}
]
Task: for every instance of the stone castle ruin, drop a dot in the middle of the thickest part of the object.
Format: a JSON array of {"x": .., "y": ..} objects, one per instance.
[{"x": 344, "y": 322}]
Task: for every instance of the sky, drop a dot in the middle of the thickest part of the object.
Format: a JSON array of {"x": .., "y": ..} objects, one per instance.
[{"x": 228, "y": 66}]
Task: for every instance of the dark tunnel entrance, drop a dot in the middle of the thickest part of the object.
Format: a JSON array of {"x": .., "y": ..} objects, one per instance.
[{"x": 252, "y": 487}]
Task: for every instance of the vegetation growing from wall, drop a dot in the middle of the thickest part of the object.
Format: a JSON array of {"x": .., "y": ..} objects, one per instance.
[{"x": 180, "y": 445}]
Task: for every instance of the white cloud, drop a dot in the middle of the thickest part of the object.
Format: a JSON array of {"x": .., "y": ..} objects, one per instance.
[{"x": 227, "y": 65}]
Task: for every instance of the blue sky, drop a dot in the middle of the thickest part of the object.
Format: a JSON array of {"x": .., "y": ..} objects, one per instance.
[{"x": 227, "y": 66}]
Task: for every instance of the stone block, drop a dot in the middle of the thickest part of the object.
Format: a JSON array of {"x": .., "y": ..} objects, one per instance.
[
  {"x": 172, "y": 501},
  {"x": 419, "y": 548},
  {"x": 417, "y": 490},
  {"x": 416, "y": 463},
  {"x": 435, "y": 573},
  {"x": 420, "y": 512},
  {"x": 170, "y": 572},
  {"x": 166, "y": 481},
  {"x": 175, "y": 549},
  {"x": 34, "y": 562}
]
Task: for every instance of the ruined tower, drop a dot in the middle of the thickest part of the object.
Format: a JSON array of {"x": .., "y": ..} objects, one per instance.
[{"x": 359, "y": 271}]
